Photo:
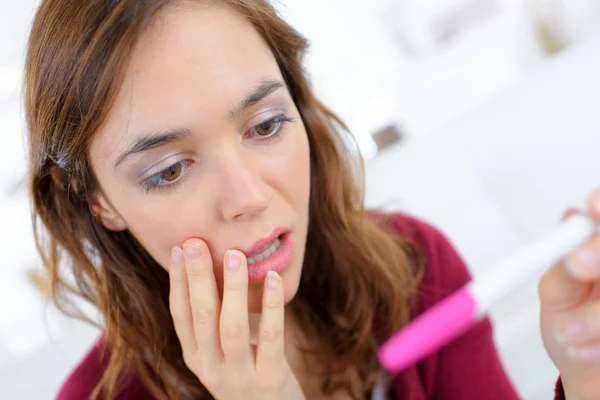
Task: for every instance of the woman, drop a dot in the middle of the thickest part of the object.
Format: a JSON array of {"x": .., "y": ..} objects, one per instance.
[{"x": 203, "y": 199}]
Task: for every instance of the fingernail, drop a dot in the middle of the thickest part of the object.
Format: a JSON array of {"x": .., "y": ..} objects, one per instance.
[
  {"x": 587, "y": 259},
  {"x": 192, "y": 252},
  {"x": 272, "y": 280},
  {"x": 177, "y": 255},
  {"x": 232, "y": 262}
]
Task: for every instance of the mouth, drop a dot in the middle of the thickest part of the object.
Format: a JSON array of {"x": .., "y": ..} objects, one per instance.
[
  {"x": 266, "y": 246},
  {"x": 271, "y": 248},
  {"x": 272, "y": 253}
]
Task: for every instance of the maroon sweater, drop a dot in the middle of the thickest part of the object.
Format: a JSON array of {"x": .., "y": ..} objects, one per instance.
[{"x": 467, "y": 369}]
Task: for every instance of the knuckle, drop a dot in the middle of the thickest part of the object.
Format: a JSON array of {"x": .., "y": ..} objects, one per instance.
[
  {"x": 270, "y": 335},
  {"x": 238, "y": 378},
  {"x": 203, "y": 316},
  {"x": 231, "y": 331},
  {"x": 189, "y": 361},
  {"x": 179, "y": 316},
  {"x": 274, "y": 382},
  {"x": 211, "y": 378},
  {"x": 234, "y": 284},
  {"x": 242, "y": 382},
  {"x": 272, "y": 303},
  {"x": 198, "y": 271},
  {"x": 175, "y": 308}
]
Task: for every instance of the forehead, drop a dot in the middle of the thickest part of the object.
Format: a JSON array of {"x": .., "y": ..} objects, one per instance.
[{"x": 190, "y": 67}]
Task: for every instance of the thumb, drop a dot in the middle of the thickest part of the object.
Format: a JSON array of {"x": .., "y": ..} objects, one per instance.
[{"x": 560, "y": 289}]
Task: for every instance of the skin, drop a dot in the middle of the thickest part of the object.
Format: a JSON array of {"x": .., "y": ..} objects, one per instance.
[
  {"x": 570, "y": 313},
  {"x": 234, "y": 177},
  {"x": 237, "y": 186},
  {"x": 231, "y": 186}
]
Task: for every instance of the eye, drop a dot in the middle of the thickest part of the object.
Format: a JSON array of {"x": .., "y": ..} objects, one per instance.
[
  {"x": 172, "y": 173},
  {"x": 266, "y": 128},
  {"x": 270, "y": 127},
  {"x": 167, "y": 178}
]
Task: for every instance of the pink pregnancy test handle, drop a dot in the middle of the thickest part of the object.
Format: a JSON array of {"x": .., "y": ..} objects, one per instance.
[{"x": 429, "y": 332}]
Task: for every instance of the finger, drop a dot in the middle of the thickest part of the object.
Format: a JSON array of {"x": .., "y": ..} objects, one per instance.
[
  {"x": 589, "y": 352},
  {"x": 582, "y": 325},
  {"x": 234, "y": 323},
  {"x": 559, "y": 290},
  {"x": 569, "y": 212},
  {"x": 567, "y": 284},
  {"x": 204, "y": 300},
  {"x": 270, "y": 351},
  {"x": 594, "y": 205},
  {"x": 584, "y": 262},
  {"x": 179, "y": 302}
]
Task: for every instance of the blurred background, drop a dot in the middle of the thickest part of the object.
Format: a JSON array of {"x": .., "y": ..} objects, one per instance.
[{"x": 479, "y": 116}]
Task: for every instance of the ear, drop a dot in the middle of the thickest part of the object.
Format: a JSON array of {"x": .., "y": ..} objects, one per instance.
[
  {"x": 104, "y": 212},
  {"x": 57, "y": 176}
]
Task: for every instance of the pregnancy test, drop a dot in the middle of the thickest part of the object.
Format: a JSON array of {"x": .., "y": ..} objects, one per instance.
[{"x": 453, "y": 316}]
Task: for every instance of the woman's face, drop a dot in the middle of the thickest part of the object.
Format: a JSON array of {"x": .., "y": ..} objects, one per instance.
[{"x": 204, "y": 141}]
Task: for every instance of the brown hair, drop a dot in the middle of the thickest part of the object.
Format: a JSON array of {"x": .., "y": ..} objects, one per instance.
[{"x": 76, "y": 57}]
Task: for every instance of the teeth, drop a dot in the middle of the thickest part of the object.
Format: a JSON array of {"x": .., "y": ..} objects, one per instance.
[{"x": 265, "y": 254}]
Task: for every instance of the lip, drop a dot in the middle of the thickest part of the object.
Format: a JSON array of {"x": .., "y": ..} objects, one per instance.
[
  {"x": 278, "y": 261},
  {"x": 261, "y": 244}
]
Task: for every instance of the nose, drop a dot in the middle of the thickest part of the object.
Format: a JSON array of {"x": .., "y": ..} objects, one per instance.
[{"x": 244, "y": 192}]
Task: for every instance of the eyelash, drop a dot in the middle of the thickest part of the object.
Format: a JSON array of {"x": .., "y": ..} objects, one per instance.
[
  {"x": 153, "y": 184},
  {"x": 279, "y": 120}
]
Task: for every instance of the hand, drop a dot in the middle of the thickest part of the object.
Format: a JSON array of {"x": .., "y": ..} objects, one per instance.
[
  {"x": 570, "y": 314},
  {"x": 215, "y": 337}
]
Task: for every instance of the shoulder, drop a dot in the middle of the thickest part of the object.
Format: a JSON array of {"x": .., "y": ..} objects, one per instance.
[
  {"x": 84, "y": 378},
  {"x": 469, "y": 367},
  {"x": 444, "y": 270},
  {"x": 411, "y": 227},
  {"x": 87, "y": 374}
]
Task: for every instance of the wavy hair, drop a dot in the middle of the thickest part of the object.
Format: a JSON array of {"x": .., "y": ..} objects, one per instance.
[{"x": 77, "y": 53}]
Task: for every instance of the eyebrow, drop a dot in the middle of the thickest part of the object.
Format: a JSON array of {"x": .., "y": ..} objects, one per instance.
[
  {"x": 265, "y": 88},
  {"x": 147, "y": 142},
  {"x": 153, "y": 140}
]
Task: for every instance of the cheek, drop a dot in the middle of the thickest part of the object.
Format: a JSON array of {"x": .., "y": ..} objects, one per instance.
[
  {"x": 164, "y": 221},
  {"x": 161, "y": 228},
  {"x": 295, "y": 172}
]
